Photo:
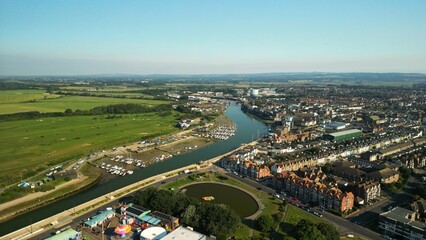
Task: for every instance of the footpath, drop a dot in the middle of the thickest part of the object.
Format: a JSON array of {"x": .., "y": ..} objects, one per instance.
[{"x": 67, "y": 216}]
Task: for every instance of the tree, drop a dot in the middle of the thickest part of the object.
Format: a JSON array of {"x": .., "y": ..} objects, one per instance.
[
  {"x": 328, "y": 231},
  {"x": 211, "y": 218},
  {"x": 190, "y": 216},
  {"x": 310, "y": 233},
  {"x": 326, "y": 168},
  {"x": 306, "y": 230},
  {"x": 278, "y": 217},
  {"x": 265, "y": 223},
  {"x": 217, "y": 218},
  {"x": 68, "y": 111},
  {"x": 421, "y": 190}
]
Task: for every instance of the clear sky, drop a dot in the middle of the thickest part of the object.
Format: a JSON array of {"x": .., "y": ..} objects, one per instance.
[{"x": 51, "y": 37}]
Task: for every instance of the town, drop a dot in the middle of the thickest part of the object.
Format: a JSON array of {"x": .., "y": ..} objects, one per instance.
[
  {"x": 325, "y": 150},
  {"x": 212, "y": 120},
  {"x": 331, "y": 147}
]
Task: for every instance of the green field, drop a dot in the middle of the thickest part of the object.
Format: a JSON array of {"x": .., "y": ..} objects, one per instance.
[
  {"x": 20, "y": 96},
  {"x": 115, "y": 94},
  {"x": 296, "y": 214},
  {"x": 27, "y": 144},
  {"x": 101, "y": 89},
  {"x": 60, "y": 104}
]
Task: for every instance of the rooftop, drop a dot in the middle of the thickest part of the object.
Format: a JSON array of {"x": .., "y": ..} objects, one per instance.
[
  {"x": 374, "y": 117},
  {"x": 400, "y": 215},
  {"x": 341, "y": 133},
  {"x": 152, "y": 232},
  {"x": 383, "y": 173},
  {"x": 182, "y": 233},
  {"x": 99, "y": 217},
  {"x": 336, "y": 124},
  {"x": 64, "y": 235}
]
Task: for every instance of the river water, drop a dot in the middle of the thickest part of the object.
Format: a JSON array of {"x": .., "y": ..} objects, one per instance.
[{"x": 248, "y": 129}]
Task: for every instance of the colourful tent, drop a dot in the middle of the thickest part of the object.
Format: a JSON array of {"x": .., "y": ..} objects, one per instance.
[{"x": 122, "y": 230}]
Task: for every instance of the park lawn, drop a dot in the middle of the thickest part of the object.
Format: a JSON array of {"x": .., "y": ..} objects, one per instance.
[
  {"x": 24, "y": 95},
  {"x": 62, "y": 103},
  {"x": 294, "y": 215},
  {"x": 48, "y": 141}
]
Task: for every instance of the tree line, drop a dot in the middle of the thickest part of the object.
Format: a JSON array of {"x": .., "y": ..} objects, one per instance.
[
  {"x": 303, "y": 230},
  {"x": 88, "y": 94},
  {"x": 127, "y": 108}
]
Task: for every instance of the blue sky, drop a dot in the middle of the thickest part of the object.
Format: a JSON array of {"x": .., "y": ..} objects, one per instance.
[{"x": 56, "y": 37}]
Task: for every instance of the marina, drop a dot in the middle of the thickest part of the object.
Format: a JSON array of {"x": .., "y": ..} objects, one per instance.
[{"x": 221, "y": 133}]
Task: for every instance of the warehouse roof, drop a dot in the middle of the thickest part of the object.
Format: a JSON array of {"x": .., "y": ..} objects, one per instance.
[
  {"x": 335, "y": 124},
  {"x": 342, "y": 133}
]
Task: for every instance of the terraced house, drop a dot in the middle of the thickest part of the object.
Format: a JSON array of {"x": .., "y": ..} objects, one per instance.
[
  {"x": 309, "y": 191},
  {"x": 246, "y": 168}
]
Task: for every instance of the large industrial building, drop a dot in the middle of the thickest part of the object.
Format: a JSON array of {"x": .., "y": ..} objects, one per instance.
[
  {"x": 343, "y": 135},
  {"x": 400, "y": 223}
]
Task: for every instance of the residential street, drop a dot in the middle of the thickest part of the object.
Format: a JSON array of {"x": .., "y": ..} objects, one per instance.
[{"x": 345, "y": 226}]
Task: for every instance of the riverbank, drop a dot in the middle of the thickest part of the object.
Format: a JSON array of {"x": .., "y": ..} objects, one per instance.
[
  {"x": 183, "y": 142},
  {"x": 68, "y": 215},
  {"x": 34, "y": 197},
  {"x": 246, "y": 129},
  {"x": 33, "y": 201}
]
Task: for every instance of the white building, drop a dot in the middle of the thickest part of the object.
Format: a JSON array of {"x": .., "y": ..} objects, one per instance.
[
  {"x": 153, "y": 233},
  {"x": 182, "y": 233}
]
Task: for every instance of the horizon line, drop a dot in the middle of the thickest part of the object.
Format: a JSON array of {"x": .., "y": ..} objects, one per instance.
[{"x": 201, "y": 74}]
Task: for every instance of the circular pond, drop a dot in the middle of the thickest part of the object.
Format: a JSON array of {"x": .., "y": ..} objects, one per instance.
[{"x": 240, "y": 201}]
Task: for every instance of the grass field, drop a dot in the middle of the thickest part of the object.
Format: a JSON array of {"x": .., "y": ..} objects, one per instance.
[
  {"x": 30, "y": 143},
  {"x": 19, "y": 96},
  {"x": 117, "y": 94},
  {"x": 101, "y": 89},
  {"x": 60, "y": 104}
]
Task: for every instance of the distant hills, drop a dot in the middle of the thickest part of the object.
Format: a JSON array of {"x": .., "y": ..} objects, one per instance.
[{"x": 296, "y": 77}]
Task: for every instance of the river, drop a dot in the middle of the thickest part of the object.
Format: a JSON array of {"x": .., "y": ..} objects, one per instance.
[{"x": 248, "y": 129}]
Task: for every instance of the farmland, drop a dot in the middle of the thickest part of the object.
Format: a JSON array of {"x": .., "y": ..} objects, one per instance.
[
  {"x": 21, "y": 96},
  {"x": 109, "y": 116},
  {"x": 31, "y": 100},
  {"x": 30, "y": 143}
]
